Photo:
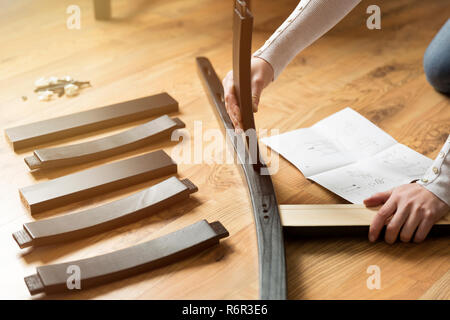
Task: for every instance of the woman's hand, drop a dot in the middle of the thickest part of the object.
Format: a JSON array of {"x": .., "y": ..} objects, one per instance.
[
  {"x": 405, "y": 209},
  {"x": 261, "y": 76}
]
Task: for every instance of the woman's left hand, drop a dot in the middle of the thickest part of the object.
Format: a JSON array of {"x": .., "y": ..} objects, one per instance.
[{"x": 406, "y": 209}]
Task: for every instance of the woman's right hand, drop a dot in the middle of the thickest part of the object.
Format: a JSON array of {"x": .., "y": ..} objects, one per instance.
[{"x": 261, "y": 76}]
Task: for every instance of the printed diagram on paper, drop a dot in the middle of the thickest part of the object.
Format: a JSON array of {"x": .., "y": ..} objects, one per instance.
[{"x": 349, "y": 155}]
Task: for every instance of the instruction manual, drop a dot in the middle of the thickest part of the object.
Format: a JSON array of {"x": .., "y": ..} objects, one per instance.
[{"x": 349, "y": 155}]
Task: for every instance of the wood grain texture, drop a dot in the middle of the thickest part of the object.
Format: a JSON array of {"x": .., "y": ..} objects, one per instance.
[
  {"x": 130, "y": 261},
  {"x": 134, "y": 138},
  {"x": 339, "y": 220},
  {"x": 150, "y": 47},
  {"x": 103, "y": 218},
  {"x": 269, "y": 233},
  {"x": 36, "y": 133},
  {"x": 439, "y": 290},
  {"x": 331, "y": 215},
  {"x": 99, "y": 180}
]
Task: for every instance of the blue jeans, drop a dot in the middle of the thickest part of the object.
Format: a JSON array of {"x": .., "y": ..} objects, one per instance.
[{"x": 436, "y": 61}]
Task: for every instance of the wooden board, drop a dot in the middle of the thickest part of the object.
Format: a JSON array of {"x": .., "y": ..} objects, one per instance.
[
  {"x": 103, "y": 218},
  {"x": 336, "y": 220},
  {"x": 130, "y": 261},
  {"x": 36, "y": 133},
  {"x": 91, "y": 182},
  {"x": 310, "y": 215},
  {"x": 128, "y": 140},
  {"x": 150, "y": 47}
]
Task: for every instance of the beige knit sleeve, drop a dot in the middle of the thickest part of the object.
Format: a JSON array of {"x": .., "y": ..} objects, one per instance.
[
  {"x": 437, "y": 177},
  {"x": 308, "y": 22}
]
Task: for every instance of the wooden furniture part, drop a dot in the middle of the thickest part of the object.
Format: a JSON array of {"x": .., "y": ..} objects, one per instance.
[
  {"x": 131, "y": 139},
  {"x": 88, "y": 183},
  {"x": 102, "y": 9},
  {"x": 272, "y": 266},
  {"x": 100, "y": 219},
  {"x": 36, "y": 133},
  {"x": 130, "y": 261},
  {"x": 337, "y": 220},
  {"x": 242, "y": 43}
]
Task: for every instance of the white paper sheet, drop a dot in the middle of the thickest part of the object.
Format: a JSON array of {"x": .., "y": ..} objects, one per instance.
[{"x": 349, "y": 155}]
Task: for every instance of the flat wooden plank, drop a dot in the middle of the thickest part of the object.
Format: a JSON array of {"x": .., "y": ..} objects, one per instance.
[
  {"x": 130, "y": 261},
  {"x": 36, "y": 133},
  {"x": 102, "y": 218},
  {"x": 88, "y": 183},
  {"x": 337, "y": 220},
  {"x": 125, "y": 141},
  {"x": 321, "y": 215}
]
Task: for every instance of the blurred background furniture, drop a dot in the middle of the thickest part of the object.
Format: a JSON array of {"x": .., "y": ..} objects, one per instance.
[{"x": 102, "y": 9}]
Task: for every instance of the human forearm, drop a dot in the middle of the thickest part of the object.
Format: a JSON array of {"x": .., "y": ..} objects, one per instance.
[{"x": 308, "y": 22}]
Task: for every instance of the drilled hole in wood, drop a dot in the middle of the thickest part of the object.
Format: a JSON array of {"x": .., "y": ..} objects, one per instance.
[
  {"x": 266, "y": 217},
  {"x": 264, "y": 205}
]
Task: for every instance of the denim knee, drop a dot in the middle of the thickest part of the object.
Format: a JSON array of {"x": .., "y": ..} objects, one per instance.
[{"x": 436, "y": 61}]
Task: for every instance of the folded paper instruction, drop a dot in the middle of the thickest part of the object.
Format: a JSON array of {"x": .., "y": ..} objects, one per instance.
[{"x": 349, "y": 155}]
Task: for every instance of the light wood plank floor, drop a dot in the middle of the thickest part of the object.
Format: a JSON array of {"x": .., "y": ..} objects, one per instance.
[{"x": 150, "y": 47}]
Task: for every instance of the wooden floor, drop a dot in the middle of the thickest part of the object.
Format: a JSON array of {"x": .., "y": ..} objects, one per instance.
[{"x": 150, "y": 47}]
